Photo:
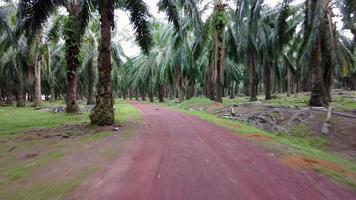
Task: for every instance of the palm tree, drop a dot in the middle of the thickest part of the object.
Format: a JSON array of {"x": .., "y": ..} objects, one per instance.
[
  {"x": 14, "y": 45},
  {"x": 89, "y": 53},
  {"x": 103, "y": 112},
  {"x": 248, "y": 15},
  {"x": 220, "y": 21},
  {"x": 35, "y": 13},
  {"x": 318, "y": 32}
]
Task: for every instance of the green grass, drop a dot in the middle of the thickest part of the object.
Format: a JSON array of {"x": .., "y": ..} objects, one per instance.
[
  {"x": 99, "y": 135},
  {"x": 343, "y": 104},
  {"x": 282, "y": 144},
  {"x": 14, "y": 120},
  {"x": 339, "y": 103},
  {"x": 125, "y": 112},
  {"x": 25, "y": 169},
  {"x": 16, "y": 171},
  {"x": 53, "y": 189}
]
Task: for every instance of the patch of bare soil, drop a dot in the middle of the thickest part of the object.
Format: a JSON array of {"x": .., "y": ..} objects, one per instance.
[
  {"x": 344, "y": 137},
  {"x": 62, "y": 109},
  {"x": 63, "y": 132},
  {"x": 81, "y": 147},
  {"x": 258, "y": 137},
  {"x": 307, "y": 163},
  {"x": 215, "y": 106}
]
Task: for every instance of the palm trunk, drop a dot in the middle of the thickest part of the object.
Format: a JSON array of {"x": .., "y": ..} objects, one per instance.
[
  {"x": 130, "y": 94},
  {"x": 318, "y": 93},
  {"x": 72, "y": 60},
  {"x": 37, "y": 94},
  {"x": 232, "y": 90},
  {"x": 219, "y": 54},
  {"x": 91, "y": 100},
  {"x": 267, "y": 80},
  {"x": 190, "y": 89},
  {"x": 171, "y": 92},
  {"x": 181, "y": 93},
  {"x": 252, "y": 74},
  {"x": 136, "y": 95},
  {"x": 209, "y": 91},
  {"x": 317, "y": 84},
  {"x": 21, "y": 89},
  {"x": 103, "y": 112},
  {"x": 288, "y": 81},
  {"x": 150, "y": 95},
  {"x": 124, "y": 94},
  {"x": 328, "y": 75},
  {"x": 143, "y": 93},
  {"x": 161, "y": 93},
  {"x": 52, "y": 99}
]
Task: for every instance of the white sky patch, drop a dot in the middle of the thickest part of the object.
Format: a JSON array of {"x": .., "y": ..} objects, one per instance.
[
  {"x": 125, "y": 32},
  {"x": 131, "y": 49},
  {"x": 125, "y": 35}
]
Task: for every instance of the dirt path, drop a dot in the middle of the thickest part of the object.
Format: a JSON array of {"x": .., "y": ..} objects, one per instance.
[{"x": 179, "y": 157}]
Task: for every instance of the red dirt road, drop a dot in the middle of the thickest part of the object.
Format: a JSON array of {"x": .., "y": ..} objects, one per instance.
[{"x": 179, "y": 157}]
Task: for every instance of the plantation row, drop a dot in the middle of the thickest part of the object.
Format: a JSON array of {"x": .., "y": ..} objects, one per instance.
[{"x": 64, "y": 48}]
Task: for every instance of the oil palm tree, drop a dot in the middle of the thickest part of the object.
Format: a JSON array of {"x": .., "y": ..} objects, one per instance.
[
  {"x": 14, "y": 47},
  {"x": 319, "y": 31},
  {"x": 36, "y": 13}
]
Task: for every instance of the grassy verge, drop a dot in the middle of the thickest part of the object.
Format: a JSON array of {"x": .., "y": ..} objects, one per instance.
[
  {"x": 14, "y": 120},
  {"x": 126, "y": 113},
  {"x": 42, "y": 168},
  {"x": 287, "y": 148}
]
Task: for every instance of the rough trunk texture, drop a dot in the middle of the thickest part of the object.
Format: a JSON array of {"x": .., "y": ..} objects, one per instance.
[
  {"x": 317, "y": 84},
  {"x": 37, "y": 101},
  {"x": 232, "y": 91},
  {"x": 130, "y": 94},
  {"x": 91, "y": 100},
  {"x": 328, "y": 75},
  {"x": 171, "y": 92},
  {"x": 150, "y": 95},
  {"x": 181, "y": 94},
  {"x": 209, "y": 87},
  {"x": 53, "y": 96},
  {"x": 318, "y": 92},
  {"x": 252, "y": 74},
  {"x": 161, "y": 93},
  {"x": 267, "y": 80},
  {"x": 143, "y": 95},
  {"x": 219, "y": 54},
  {"x": 136, "y": 95},
  {"x": 103, "y": 112},
  {"x": 191, "y": 90},
  {"x": 72, "y": 61},
  {"x": 288, "y": 81},
  {"x": 21, "y": 89}
]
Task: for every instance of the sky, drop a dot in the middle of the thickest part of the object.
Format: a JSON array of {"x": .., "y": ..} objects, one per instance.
[
  {"x": 124, "y": 28},
  {"x": 125, "y": 32}
]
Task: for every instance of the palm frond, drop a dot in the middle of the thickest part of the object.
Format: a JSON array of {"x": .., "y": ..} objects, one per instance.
[
  {"x": 169, "y": 6},
  {"x": 139, "y": 18}
]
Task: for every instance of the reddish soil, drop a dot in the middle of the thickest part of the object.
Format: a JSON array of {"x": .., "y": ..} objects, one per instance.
[
  {"x": 180, "y": 157},
  {"x": 258, "y": 137},
  {"x": 311, "y": 163}
]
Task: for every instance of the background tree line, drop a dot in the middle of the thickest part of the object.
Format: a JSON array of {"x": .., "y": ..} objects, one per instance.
[{"x": 213, "y": 48}]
